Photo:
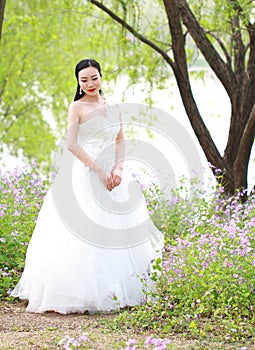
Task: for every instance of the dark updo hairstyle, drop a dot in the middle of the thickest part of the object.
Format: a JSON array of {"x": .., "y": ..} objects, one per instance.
[{"x": 81, "y": 65}]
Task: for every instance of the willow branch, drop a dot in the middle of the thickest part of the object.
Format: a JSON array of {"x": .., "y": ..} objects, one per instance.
[{"x": 134, "y": 32}]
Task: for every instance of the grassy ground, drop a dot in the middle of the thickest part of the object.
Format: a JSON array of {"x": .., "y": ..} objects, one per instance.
[{"x": 21, "y": 330}]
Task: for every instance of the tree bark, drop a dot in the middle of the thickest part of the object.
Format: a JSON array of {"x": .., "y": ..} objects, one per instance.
[
  {"x": 2, "y": 7},
  {"x": 244, "y": 151}
]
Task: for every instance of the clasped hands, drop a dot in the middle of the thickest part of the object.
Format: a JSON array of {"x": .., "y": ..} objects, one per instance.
[{"x": 110, "y": 180}]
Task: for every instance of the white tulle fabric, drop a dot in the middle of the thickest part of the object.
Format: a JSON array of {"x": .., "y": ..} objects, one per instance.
[{"x": 66, "y": 274}]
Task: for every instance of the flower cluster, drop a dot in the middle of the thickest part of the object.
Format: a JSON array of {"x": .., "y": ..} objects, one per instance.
[
  {"x": 208, "y": 267},
  {"x": 208, "y": 263},
  {"x": 22, "y": 192},
  {"x": 214, "y": 259},
  {"x": 69, "y": 343},
  {"x": 149, "y": 343}
]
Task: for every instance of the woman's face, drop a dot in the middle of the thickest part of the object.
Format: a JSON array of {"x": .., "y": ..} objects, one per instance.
[{"x": 90, "y": 80}]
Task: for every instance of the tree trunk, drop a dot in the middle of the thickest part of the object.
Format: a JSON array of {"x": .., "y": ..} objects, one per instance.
[
  {"x": 2, "y": 7},
  {"x": 238, "y": 81},
  {"x": 181, "y": 74},
  {"x": 240, "y": 86},
  {"x": 243, "y": 155}
]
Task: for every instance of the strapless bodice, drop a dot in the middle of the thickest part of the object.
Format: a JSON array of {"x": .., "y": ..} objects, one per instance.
[{"x": 97, "y": 136}]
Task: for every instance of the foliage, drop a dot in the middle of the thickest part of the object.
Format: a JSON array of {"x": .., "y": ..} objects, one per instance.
[
  {"x": 207, "y": 284},
  {"x": 22, "y": 192},
  {"x": 37, "y": 70},
  {"x": 148, "y": 19},
  {"x": 37, "y": 67}
]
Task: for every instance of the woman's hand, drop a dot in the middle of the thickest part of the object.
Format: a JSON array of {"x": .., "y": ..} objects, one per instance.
[
  {"x": 105, "y": 178},
  {"x": 111, "y": 180},
  {"x": 116, "y": 176}
]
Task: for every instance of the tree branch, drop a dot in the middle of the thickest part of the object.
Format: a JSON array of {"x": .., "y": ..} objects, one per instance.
[
  {"x": 220, "y": 42},
  {"x": 249, "y": 79},
  {"x": 134, "y": 32},
  {"x": 239, "y": 9},
  {"x": 222, "y": 70},
  {"x": 2, "y": 7},
  {"x": 178, "y": 38},
  {"x": 238, "y": 49},
  {"x": 181, "y": 74},
  {"x": 251, "y": 61}
]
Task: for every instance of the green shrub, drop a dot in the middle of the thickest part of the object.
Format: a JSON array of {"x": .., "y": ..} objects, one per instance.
[
  {"x": 22, "y": 193},
  {"x": 208, "y": 279}
]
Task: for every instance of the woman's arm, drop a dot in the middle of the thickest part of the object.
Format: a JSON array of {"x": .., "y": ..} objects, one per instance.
[
  {"x": 120, "y": 153},
  {"x": 120, "y": 148},
  {"x": 72, "y": 138},
  {"x": 74, "y": 147}
]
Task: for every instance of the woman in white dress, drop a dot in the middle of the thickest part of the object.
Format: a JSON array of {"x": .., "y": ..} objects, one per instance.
[{"x": 92, "y": 247}]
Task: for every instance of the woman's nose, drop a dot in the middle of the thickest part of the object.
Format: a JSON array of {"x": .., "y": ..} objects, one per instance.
[{"x": 90, "y": 83}]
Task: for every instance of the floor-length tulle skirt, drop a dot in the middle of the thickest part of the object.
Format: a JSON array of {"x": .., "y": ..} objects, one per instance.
[{"x": 68, "y": 271}]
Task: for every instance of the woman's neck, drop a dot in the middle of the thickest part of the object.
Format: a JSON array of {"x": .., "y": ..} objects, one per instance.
[{"x": 92, "y": 99}]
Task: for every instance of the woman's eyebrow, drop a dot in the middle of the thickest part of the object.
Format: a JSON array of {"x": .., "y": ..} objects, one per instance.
[{"x": 94, "y": 75}]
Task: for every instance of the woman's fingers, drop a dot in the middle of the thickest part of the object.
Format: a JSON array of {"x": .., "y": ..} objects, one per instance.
[
  {"x": 116, "y": 180},
  {"x": 109, "y": 182},
  {"x": 116, "y": 176}
]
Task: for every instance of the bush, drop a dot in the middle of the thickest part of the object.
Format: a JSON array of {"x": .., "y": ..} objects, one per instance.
[
  {"x": 208, "y": 279},
  {"x": 207, "y": 284},
  {"x": 22, "y": 192}
]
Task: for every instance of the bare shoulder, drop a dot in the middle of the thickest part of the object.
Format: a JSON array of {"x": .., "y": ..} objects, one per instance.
[
  {"x": 75, "y": 111},
  {"x": 74, "y": 106}
]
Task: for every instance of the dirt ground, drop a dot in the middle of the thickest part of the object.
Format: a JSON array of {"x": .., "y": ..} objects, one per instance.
[{"x": 21, "y": 330}]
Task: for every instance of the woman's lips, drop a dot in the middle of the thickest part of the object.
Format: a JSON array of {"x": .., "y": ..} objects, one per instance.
[{"x": 91, "y": 90}]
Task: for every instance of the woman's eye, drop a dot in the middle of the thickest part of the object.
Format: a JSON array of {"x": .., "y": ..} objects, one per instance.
[{"x": 94, "y": 79}]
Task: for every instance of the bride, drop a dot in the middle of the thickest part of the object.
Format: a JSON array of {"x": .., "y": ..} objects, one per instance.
[{"x": 93, "y": 247}]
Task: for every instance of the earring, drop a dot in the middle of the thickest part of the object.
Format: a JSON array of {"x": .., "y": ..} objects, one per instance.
[{"x": 80, "y": 92}]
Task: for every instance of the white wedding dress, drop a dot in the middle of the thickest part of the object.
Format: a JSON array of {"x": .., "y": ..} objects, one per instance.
[{"x": 91, "y": 248}]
